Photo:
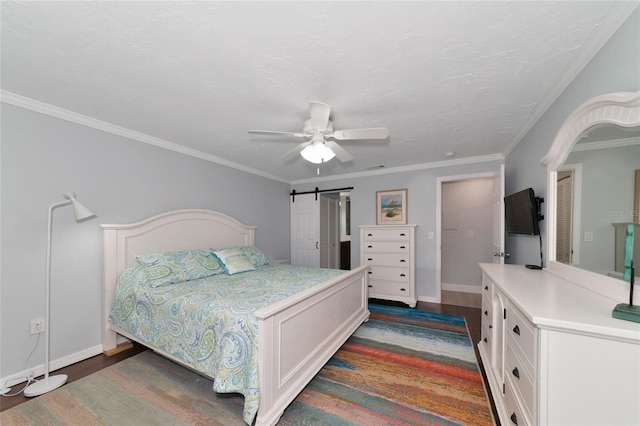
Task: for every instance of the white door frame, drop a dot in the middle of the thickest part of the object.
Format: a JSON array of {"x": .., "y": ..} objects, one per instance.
[{"x": 439, "y": 182}]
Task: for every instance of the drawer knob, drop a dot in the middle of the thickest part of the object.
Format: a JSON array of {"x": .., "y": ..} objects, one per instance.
[
  {"x": 370, "y": 286},
  {"x": 369, "y": 246},
  {"x": 369, "y": 272},
  {"x": 402, "y": 260},
  {"x": 403, "y": 289},
  {"x": 369, "y": 259},
  {"x": 486, "y": 313},
  {"x": 516, "y": 330},
  {"x": 402, "y": 247},
  {"x": 515, "y": 372},
  {"x": 402, "y": 275},
  {"x": 402, "y": 234},
  {"x": 485, "y": 340},
  {"x": 486, "y": 287},
  {"x": 514, "y": 418},
  {"x": 490, "y": 326}
]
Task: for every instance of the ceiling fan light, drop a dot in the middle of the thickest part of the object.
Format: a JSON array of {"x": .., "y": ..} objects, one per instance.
[{"x": 317, "y": 153}]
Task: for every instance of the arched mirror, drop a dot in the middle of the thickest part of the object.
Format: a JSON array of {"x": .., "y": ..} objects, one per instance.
[{"x": 593, "y": 192}]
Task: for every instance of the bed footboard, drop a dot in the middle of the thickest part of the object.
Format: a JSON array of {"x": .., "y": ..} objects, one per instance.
[{"x": 298, "y": 336}]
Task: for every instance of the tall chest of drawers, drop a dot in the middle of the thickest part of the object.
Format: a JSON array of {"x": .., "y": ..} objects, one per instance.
[{"x": 389, "y": 250}]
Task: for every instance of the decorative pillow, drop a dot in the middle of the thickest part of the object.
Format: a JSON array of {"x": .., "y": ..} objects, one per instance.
[
  {"x": 234, "y": 260},
  {"x": 177, "y": 266},
  {"x": 253, "y": 253}
]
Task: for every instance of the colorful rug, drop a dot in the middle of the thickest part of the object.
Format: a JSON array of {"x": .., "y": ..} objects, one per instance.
[{"x": 402, "y": 367}]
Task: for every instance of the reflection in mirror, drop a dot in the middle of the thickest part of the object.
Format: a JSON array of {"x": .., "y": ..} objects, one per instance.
[
  {"x": 595, "y": 197},
  {"x": 602, "y": 192}
]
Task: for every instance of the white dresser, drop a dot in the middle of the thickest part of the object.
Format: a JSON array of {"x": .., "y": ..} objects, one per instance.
[
  {"x": 553, "y": 354},
  {"x": 389, "y": 250}
]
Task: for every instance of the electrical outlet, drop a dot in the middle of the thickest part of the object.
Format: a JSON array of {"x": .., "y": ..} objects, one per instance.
[{"x": 37, "y": 325}]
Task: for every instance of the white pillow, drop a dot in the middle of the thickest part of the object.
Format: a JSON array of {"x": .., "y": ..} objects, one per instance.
[{"x": 234, "y": 261}]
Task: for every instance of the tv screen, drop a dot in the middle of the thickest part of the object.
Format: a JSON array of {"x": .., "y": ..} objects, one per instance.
[{"x": 521, "y": 213}]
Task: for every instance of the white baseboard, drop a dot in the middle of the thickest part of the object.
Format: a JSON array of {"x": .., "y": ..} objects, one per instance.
[
  {"x": 462, "y": 288},
  {"x": 38, "y": 370},
  {"x": 429, "y": 299}
]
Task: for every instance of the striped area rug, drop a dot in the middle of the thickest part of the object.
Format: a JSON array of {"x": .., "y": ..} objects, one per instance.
[{"x": 402, "y": 367}]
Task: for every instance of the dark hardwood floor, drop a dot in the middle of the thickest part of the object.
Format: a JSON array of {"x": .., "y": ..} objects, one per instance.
[{"x": 98, "y": 362}]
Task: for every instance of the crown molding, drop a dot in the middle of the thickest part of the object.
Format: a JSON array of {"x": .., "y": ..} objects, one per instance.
[
  {"x": 83, "y": 120},
  {"x": 614, "y": 143},
  {"x": 403, "y": 169}
]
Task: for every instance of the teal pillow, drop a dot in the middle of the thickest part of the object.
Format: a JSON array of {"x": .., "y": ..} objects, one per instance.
[
  {"x": 177, "y": 266},
  {"x": 234, "y": 260}
]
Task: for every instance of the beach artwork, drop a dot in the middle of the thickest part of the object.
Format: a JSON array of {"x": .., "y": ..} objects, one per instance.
[{"x": 391, "y": 206}]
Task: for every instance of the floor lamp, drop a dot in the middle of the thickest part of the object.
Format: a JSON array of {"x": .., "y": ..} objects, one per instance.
[{"x": 49, "y": 383}]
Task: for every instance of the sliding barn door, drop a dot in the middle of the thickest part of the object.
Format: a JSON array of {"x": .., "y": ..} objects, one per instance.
[{"x": 305, "y": 230}]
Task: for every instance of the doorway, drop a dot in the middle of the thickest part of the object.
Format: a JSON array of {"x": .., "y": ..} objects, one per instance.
[
  {"x": 469, "y": 227},
  {"x": 321, "y": 230},
  {"x": 568, "y": 213}
]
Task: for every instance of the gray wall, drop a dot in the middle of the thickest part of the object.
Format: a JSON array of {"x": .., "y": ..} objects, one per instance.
[
  {"x": 421, "y": 186},
  {"x": 122, "y": 181},
  {"x": 615, "y": 68},
  {"x": 608, "y": 181}
]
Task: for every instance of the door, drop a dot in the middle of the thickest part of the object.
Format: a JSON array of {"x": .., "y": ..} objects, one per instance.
[
  {"x": 305, "y": 230},
  {"x": 564, "y": 213},
  {"x": 498, "y": 217}
]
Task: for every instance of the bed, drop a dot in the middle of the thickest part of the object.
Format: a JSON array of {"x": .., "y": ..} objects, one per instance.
[{"x": 296, "y": 335}]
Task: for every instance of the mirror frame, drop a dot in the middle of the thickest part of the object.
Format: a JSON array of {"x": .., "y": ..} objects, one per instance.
[{"x": 621, "y": 109}]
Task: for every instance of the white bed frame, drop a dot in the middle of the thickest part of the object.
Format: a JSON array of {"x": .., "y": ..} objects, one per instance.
[{"x": 296, "y": 336}]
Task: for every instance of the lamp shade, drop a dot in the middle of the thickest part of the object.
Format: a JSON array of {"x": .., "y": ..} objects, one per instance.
[
  {"x": 81, "y": 211},
  {"x": 317, "y": 153}
]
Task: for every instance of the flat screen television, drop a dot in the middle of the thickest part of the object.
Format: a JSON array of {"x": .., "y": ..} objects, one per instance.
[{"x": 522, "y": 213}]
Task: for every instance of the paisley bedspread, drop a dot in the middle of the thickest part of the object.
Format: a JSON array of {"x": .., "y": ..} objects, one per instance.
[{"x": 209, "y": 323}]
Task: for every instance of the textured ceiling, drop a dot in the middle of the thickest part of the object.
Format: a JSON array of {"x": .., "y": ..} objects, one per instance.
[{"x": 467, "y": 77}]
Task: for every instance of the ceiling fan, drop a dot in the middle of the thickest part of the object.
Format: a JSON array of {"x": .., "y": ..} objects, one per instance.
[{"x": 319, "y": 130}]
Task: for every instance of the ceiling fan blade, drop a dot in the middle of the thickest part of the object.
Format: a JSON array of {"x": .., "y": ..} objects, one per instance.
[
  {"x": 319, "y": 113},
  {"x": 295, "y": 150},
  {"x": 374, "y": 133},
  {"x": 269, "y": 132},
  {"x": 340, "y": 152}
]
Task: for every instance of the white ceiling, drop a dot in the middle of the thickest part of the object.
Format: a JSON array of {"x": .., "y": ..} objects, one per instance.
[{"x": 466, "y": 77}]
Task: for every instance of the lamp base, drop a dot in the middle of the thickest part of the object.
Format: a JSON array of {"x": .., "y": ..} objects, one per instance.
[
  {"x": 45, "y": 385},
  {"x": 624, "y": 311}
]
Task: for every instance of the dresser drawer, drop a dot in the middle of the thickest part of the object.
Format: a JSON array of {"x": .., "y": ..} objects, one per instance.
[
  {"x": 487, "y": 287},
  {"x": 389, "y": 288},
  {"x": 487, "y": 313},
  {"x": 514, "y": 410},
  {"x": 389, "y": 273},
  {"x": 521, "y": 379},
  {"x": 386, "y": 246},
  {"x": 485, "y": 338},
  {"x": 387, "y": 259},
  {"x": 401, "y": 234},
  {"x": 521, "y": 332}
]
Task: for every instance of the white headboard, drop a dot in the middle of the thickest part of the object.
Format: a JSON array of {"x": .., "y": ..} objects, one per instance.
[{"x": 171, "y": 231}]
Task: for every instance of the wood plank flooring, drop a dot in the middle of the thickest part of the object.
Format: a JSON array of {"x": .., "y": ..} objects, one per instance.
[{"x": 98, "y": 362}]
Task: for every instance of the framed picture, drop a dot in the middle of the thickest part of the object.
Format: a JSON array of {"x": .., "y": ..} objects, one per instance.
[{"x": 391, "y": 207}]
